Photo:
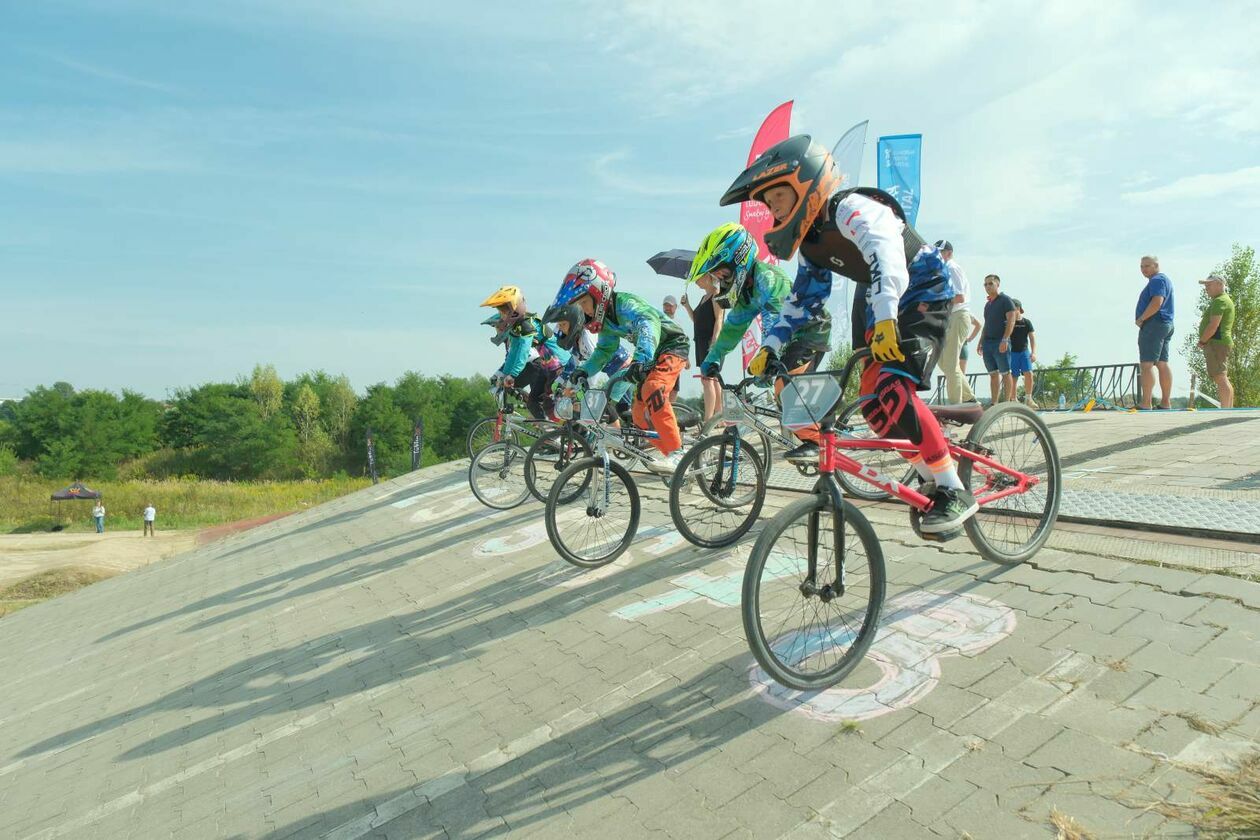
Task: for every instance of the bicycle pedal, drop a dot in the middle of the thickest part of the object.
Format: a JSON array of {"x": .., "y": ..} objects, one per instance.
[{"x": 944, "y": 536}]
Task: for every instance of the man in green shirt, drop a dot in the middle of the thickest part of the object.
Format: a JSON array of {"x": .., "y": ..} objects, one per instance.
[{"x": 1216, "y": 337}]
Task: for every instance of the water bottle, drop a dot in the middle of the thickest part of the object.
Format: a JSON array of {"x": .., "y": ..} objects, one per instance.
[{"x": 1062, "y": 402}]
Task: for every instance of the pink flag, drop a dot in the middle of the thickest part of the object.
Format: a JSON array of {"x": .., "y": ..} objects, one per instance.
[{"x": 755, "y": 216}]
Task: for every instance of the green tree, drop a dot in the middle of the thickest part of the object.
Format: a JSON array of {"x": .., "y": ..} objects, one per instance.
[
  {"x": 8, "y": 460},
  {"x": 268, "y": 390},
  {"x": 60, "y": 460},
  {"x": 227, "y": 437},
  {"x": 1051, "y": 382},
  {"x": 1241, "y": 273},
  {"x": 390, "y": 426},
  {"x": 837, "y": 359},
  {"x": 313, "y": 443}
]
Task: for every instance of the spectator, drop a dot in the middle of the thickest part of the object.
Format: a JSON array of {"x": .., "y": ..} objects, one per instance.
[
  {"x": 956, "y": 387},
  {"x": 1216, "y": 337},
  {"x": 1154, "y": 320},
  {"x": 706, "y": 320},
  {"x": 1023, "y": 353},
  {"x": 669, "y": 306},
  {"x": 98, "y": 514},
  {"x": 995, "y": 340},
  {"x": 962, "y": 351},
  {"x": 149, "y": 515}
]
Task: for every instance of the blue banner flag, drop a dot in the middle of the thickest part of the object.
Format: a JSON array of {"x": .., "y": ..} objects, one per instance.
[{"x": 899, "y": 157}]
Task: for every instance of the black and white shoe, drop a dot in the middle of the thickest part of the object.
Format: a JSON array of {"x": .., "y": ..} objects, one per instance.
[
  {"x": 950, "y": 509},
  {"x": 806, "y": 453}
]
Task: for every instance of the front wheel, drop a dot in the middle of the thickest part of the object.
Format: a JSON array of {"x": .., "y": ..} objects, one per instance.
[
  {"x": 497, "y": 476},
  {"x": 752, "y": 436},
  {"x": 717, "y": 491},
  {"x": 592, "y": 512},
  {"x": 809, "y": 626},
  {"x": 1011, "y": 528},
  {"x": 489, "y": 430}
]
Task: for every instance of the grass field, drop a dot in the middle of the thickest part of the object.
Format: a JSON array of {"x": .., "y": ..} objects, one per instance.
[
  {"x": 40, "y": 587},
  {"x": 25, "y": 505}
]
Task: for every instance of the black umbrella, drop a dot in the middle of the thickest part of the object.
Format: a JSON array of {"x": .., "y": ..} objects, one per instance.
[{"x": 675, "y": 263}]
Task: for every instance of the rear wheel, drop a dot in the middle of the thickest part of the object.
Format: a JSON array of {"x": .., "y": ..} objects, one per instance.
[
  {"x": 808, "y": 634},
  {"x": 548, "y": 457},
  {"x": 1013, "y": 528},
  {"x": 497, "y": 476},
  {"x": 752, "y": 436},
  {"x": 851, "y": 425},
  {"x": 717, "y": 491}
]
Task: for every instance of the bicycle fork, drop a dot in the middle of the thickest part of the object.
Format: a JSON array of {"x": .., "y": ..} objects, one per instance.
[
  {"x": 827, "y": 485},
  {"x": 600, "y": 498}
]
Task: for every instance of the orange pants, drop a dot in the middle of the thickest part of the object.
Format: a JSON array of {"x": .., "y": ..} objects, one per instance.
[{"x": 652, "y": 409}]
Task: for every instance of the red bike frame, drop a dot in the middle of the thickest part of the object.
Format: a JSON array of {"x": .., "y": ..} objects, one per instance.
[{"x": 831, "y": 458}]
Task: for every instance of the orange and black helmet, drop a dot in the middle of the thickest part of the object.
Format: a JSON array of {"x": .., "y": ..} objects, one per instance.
[{"x": 807, "y": 169}]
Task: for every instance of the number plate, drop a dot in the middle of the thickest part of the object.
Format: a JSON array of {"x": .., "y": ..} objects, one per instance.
[
  {"x": 809, "y": 398},
  {"x": 593, "y": 404},
  {"x": 732, "y": 408}
]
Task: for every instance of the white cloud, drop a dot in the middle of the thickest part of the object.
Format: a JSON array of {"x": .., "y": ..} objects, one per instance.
[
  {"x": 609, "y": 170},
  {"x": 1241, "y": 185}
]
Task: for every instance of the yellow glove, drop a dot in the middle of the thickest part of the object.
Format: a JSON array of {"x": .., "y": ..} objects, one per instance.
[
  {"x": 884, "y": 345},
  {"x": 757, "y": 365}
]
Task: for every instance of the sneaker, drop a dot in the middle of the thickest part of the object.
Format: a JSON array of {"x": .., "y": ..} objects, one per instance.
[
  {"x": 806, "y": 453},
  {"x": 665, "y": 464},
  {"x": 950, "y": 508}
]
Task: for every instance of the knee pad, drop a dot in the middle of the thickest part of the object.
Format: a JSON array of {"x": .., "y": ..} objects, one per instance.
[{"x": 891, "y": 408}]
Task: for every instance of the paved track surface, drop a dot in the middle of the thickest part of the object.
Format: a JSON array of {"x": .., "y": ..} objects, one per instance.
[{"x": 405, "y": 663}]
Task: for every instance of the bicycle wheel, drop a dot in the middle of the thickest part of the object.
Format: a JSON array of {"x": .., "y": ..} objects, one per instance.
[
  {"x": 487, "y": 431},
  {"x": 1013, "y": 528},
  {"x": 549, "y": 455},
  {"x": 809, "y": 636},
  {"x": 716, "y": 493},
  {"x": 751, "y": 436},
  {"x": 592, "y": 527},
  {"x": 497, "y": 476},
  {"x": 851, "y": 425}
]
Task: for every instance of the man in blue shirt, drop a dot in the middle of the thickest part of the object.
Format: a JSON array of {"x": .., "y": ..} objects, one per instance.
[{"x": 1154, "y": 319}]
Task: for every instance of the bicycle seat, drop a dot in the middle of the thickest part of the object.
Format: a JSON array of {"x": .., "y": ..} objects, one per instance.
[
  {"x": 964, "y": 413},
  {"x": 686, "y": 416}
]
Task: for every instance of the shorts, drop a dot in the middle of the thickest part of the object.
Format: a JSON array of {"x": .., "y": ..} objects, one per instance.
[
  {"x": 995, "y": 361},
  {"x": 962, "y": 352},
  {"x": 921, "y": 334},
  {"x": 1021, "y": 362},
  {"x": 1216, "y": 354},
  {"x": 1153, "y": 339}
]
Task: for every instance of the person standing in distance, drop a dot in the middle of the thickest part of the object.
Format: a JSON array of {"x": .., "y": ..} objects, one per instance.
[
  {"x": 995, "y": 340},
  {"x": 98, "y": 515},
  {"x": 150, "y": 514},
  {"x": 1216, "y": 337},
  {"x": 956, "y": 329},
  {"x": 1023, "y": 353},
  {"x": 1154, "y": 320}
]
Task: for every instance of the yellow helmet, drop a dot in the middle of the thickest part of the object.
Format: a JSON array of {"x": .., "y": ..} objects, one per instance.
[{"x": 510, "y": 295}]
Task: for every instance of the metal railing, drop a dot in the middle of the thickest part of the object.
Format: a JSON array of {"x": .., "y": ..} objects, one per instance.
[{"x": 1107, "y": 384}]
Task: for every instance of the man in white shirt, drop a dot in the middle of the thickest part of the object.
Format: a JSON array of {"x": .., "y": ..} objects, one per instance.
[
  {"x": 956, "y": 329},
  {"x": 149, "y": 515}
]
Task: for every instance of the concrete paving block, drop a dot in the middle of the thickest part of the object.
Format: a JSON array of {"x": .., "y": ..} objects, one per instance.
[
  {"x": 1080, "y": 755},
  {"x": 980, "y": 817}
]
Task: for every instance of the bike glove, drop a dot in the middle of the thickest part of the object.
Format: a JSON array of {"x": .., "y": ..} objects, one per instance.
[
  {"x": 760, "y": 362},
  {"x": 637, "y": 372},
  {"x": 885, "y": 346}
]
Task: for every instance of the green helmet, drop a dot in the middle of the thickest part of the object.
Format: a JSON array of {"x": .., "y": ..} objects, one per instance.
[{"x": 732, "y": 246}]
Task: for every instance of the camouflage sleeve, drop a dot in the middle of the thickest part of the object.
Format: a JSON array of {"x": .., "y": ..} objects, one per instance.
[{"x": 805, "y": 302}]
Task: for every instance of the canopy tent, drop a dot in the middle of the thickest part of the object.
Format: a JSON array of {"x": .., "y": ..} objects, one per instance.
[{"x": 78, "y": 490}]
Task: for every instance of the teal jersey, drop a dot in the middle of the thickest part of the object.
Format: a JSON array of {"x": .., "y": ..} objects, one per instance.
[
  {"x": 644, "y": 326},
  {"x": 769, "y": 286},
  {"x": 529, "y": 333}
]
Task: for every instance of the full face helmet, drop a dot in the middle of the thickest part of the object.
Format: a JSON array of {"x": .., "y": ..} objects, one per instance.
[
  {"x": 588, "y": 277},
  {"x": 803, "y": 166},
  {"x": 730, "y": 246}
]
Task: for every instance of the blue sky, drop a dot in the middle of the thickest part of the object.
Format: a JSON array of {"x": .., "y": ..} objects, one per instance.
[{"x": 189, "y": 189}]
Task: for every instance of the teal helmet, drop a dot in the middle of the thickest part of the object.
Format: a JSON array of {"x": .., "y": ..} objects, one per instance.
[{"x": 730, "y": 246}]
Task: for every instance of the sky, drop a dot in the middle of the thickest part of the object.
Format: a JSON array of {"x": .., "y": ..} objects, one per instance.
[{"x": 189, "y": 189}]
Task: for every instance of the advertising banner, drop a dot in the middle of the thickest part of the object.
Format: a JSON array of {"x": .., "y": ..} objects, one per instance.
[{"x": 899, "y": 159}]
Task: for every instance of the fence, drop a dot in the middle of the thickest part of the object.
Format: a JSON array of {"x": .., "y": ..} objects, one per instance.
[{"x": 1108, "y": 384}]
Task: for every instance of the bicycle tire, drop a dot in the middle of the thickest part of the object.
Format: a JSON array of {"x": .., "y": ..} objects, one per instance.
[
  {"x": 549, "y": 455},
  {"x": 497, "y": 476},
  {"x": 1014, "y": 529},
  {"x": 713, "y": 426},
  {"x": 588, "y": 472},
  {"x": 888, "y": 462},
  {"x": 772, "y": 650},
  {"x": 692, "y": 487},
  {"x": 481, "y": 435}
]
